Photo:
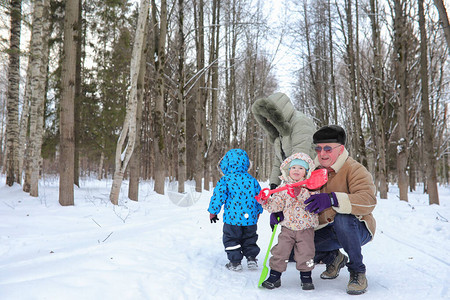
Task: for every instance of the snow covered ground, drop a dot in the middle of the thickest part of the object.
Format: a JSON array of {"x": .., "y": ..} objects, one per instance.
[{"x": 154, "y": 249}]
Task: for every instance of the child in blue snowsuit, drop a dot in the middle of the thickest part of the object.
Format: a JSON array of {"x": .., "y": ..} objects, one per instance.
[{"x": 236, "y": 190}]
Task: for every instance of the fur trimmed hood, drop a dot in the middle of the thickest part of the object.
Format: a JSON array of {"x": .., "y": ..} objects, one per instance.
[
  {"x": 274, "y": 115},
  {"x": 285, "y": 166}
]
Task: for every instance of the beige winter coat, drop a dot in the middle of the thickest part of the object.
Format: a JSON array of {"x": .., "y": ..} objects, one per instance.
[{"x": 355, "y": 191}]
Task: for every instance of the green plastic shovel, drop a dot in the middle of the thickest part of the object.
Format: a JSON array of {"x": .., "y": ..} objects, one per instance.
[{"x": 265, "y": 269}]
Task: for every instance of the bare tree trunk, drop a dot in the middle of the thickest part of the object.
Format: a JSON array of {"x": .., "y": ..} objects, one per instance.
[
  {"x": 129, "y": 127},
  {"x": 23, "y": 126},
  {"x": 159, "y": 144},
  {"x": 77, "y": 118},
  {"x": 3, "y": 101},
  {"x": 333, "y": 81},
  {"x": 201, "y": 94},
  {"x": 148, "y": 117},
  {"x": 204, "y": 98},
  {"x": 227, "y": 128},
  {"x": 446, "y": 167},
  {"x": 181, "y": 102},
  {"x": 12, "y": 126},
  {"x": 100, "y": 166},
  {"x": 402, "y": 109},
  {"x": 430, "y": 158},
  {"x": 233, "y": 59},
  {"x": 412, "y": 171},
  {"x": 444, "y": 19},
  {"x": 215, "y": 42},
  {"x": 67, "y": 138},
  {"x": 315, "y": 68},
  {"x": 39, "y": 62},
  {"x": 380, "y": 137},
  {"x": 358, "y": 137},
  {"x": 135, "y": 161}
]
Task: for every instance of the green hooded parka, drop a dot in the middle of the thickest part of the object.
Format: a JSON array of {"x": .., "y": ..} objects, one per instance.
[{"x": 289, "y": 130}]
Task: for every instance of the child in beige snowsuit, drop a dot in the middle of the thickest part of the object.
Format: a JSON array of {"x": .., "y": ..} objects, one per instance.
[{"x": 297, "y": 227}]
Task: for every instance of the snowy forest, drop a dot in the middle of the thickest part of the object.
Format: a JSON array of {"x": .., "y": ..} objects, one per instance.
[{"x": 160, "y": 90}]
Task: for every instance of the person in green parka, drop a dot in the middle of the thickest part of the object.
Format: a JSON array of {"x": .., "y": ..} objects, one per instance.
[{"x": 289, "y": 130}]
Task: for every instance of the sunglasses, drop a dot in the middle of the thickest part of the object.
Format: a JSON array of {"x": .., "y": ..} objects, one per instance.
[{"x": 327, "y": 149}]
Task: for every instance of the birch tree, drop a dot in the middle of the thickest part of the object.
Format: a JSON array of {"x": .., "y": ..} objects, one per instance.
[
  {"x": 39, "y": 61},
  {"x": 23, "y": 126},
  {"x": 129, "y": 127},
  {"x": 12, "y": 125},
  {"x": 135, "y": 161}
]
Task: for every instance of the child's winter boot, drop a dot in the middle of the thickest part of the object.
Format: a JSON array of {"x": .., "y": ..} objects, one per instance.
[
  {"x": 234, "y": 266},
  {"x": 273, "y": 281},
  {"x": 306, "y": 279},
  {"x": 252, "y": 263}
]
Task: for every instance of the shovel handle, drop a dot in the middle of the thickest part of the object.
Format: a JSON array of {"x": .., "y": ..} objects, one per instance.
[
  {"x": 265, "y": 193},
  {"x": 265, "y": 270},
  {"x": 318, "y": 178}
]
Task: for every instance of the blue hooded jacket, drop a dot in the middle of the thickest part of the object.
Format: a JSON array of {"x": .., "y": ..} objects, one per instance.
[{"x": 236, "y": 190}]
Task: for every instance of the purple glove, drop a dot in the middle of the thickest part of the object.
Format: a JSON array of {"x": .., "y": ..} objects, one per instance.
[
  {"x": 319, "y": 202},
  {"x": 274, "y": 216}
]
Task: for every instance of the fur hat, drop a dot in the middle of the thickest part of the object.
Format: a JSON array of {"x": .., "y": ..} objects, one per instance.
[{"x": 330, "y": 134}]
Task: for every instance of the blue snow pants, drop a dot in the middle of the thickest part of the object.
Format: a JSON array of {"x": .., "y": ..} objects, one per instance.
[
  {"x": 240, "y": 241},
  {"x": 345, "y": 232}
]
